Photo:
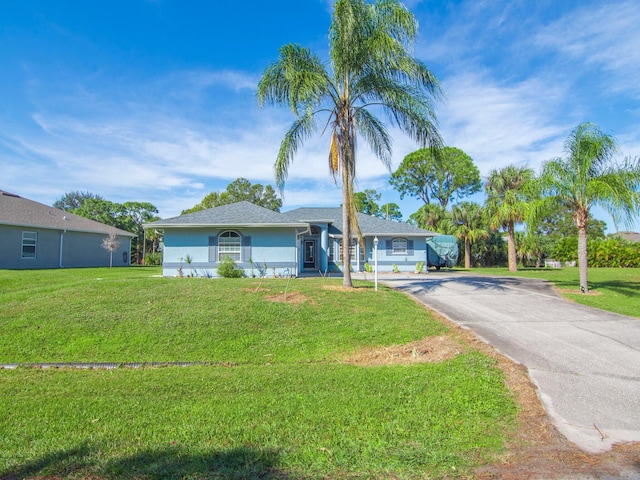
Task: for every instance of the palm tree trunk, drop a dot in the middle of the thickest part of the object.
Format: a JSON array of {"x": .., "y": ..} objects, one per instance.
[
  {"x": 346, "y": 231},
  {"x": 582, "y": 258},
  {"x": 467, "y": 253},
  {"x": 511, "y": 248}
]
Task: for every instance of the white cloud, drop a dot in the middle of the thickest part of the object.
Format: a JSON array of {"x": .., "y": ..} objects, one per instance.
[
  {"x": 499, "y": 124},
  {"x": 605, "y": 37}
]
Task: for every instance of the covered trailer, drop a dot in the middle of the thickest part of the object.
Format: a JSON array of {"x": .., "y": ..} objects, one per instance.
[{"x": 442, "y": 251}]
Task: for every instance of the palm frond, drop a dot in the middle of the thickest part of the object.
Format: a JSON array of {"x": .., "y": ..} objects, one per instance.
[
  {"x": 376, "y": 135},
  {"x": 617, "y": 192},
  {"x": 297, "y": 79},
  {"x": 299, "y": 131}
]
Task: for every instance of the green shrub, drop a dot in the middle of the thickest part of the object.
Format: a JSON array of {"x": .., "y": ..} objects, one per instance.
[
  {"x": 566, "y": 250},
  {"x": 229, "y": 269},
  {"x": 154, "y": 258},
  {"x": 367, "y": 267},
  {"x": 609, "y": 252}
]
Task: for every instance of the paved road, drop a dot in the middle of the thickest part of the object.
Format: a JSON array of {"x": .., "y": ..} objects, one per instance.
[{"x": 584, "y": 361}]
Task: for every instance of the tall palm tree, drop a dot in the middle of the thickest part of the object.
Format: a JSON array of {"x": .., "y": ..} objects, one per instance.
[
  {"x": 371, "y": 69},
  {"x": 467, "y": 220},
  {"x": 587, "y": 176},
  {"x": 507, "y": 204}
]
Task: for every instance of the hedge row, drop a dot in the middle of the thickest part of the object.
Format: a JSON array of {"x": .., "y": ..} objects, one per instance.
[{"x": 609, "y": 252}]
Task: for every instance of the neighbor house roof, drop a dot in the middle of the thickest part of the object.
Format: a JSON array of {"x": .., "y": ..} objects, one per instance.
[
  {"x": 21, "y": 212},
  {"x": 369, "y": 226},
  {"x": 240, "y": 214},
  {"x": 629, "y": 236}
]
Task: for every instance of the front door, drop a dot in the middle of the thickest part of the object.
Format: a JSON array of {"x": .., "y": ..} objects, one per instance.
[{"x": 310, "y": 254}]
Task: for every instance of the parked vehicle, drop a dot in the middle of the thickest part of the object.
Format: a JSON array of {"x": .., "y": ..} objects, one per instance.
[{"x": 442, "y": 251}]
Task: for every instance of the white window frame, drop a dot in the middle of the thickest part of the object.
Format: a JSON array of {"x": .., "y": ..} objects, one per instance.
[
  {"x": 353, "y": 251},
  {"x": 229, "y": 248},
  {"x": 29, "y": 240},
  {"x": 399, "y": 246}
]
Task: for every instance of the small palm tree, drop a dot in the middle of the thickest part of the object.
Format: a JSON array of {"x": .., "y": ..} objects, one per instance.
[
  {"x": 588, "y": 176},
  {"x": 371, "y": 69},
  {"x": 467, "y": 219},
  {"x": 507, "y": 204},
  {"x": 431, "y": 216}
]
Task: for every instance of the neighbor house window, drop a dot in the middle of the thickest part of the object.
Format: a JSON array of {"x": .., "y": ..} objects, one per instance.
[
  {"x": 229, "y": 245},
  {"x": 29, "y": 240},
  {"x": 399, "y": 246}
]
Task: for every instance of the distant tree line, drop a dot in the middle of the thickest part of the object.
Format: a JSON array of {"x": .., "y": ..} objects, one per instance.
[
  {"x": 240, "y": 190},
  {"x": 128, "y": 216}
]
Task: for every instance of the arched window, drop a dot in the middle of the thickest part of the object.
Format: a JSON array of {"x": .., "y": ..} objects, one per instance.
[
  {"x": 399, "y": 246},
  {"x": 229, "y": 245}
]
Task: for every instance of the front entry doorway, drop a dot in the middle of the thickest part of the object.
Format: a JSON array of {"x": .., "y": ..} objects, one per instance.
[{"x": 310, "y": 247}]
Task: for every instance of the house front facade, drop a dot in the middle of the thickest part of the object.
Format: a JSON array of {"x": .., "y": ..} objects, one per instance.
[
  {"x": 266, "y": 243},
  {"x": 34, "y": 236}
]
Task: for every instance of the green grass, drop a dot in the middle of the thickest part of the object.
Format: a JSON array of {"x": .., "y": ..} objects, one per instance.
[
  {"x": 613, "y": 289},
  {"x": 277, "y": 401},
  {"x": 95, "y": 316}
]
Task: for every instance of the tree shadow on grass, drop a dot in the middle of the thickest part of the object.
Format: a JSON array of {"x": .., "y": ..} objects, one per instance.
[
  {"x": 238, "y": 463},
  {"x": 60, "y": 464},
  {"x": 170, "y": 463},
  {"x": 624, "y": 288}
]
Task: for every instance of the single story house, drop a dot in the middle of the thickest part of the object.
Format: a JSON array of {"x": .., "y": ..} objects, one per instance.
[
  {"x": 34, "y": 235},
  {"x": 264, "y": 242}
]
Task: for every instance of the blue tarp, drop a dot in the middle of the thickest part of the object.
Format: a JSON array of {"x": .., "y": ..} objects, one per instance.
[{"x": 442, "y": 251}]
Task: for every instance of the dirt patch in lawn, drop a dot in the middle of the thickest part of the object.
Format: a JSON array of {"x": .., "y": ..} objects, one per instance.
[
  {"x": 576, "y": 291},
  {"x": 342, "y": 288},
  {"x": 429, "y": 349},
  {"x": 291, "y": 297}
]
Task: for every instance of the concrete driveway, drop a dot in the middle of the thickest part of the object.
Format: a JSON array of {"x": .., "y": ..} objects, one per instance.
[{"x": 585, "y": 362}]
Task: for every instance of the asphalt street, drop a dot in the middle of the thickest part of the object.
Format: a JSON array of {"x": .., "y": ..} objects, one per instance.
[{"x": 584, "y": 361}]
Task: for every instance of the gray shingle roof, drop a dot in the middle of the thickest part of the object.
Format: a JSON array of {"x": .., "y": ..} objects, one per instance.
[
  {"x": 247, "y": 214},
  {"x": 18, "y": 211},
  {"x": 235, "y": 214},
  {"x": 369, "y": 226}
]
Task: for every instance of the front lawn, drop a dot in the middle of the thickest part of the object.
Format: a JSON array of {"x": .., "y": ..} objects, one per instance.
[{"x": 276, "y": 397}]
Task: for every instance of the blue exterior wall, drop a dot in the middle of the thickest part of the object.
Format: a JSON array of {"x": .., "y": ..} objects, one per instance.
[
  {"x": 79, "y": 249},
  {"x": 405, "y": 262},
  {"x": 275, "y": 247}
]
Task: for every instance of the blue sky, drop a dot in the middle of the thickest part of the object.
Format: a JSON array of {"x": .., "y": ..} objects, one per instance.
[{"x": 154, "y": 100}]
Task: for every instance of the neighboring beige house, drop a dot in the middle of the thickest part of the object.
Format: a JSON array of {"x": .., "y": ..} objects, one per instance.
[
  {"x": 629, "y": 236},
  {"x": 34, "y": 235}
]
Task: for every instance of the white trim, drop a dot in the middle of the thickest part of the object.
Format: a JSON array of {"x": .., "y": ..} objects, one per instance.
[
  {"x": 230, "y": 253},
  {"x": 393, "y": 246},
  {"x": 225, "y": 226},
  {"x": 34, "y": 239}
]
